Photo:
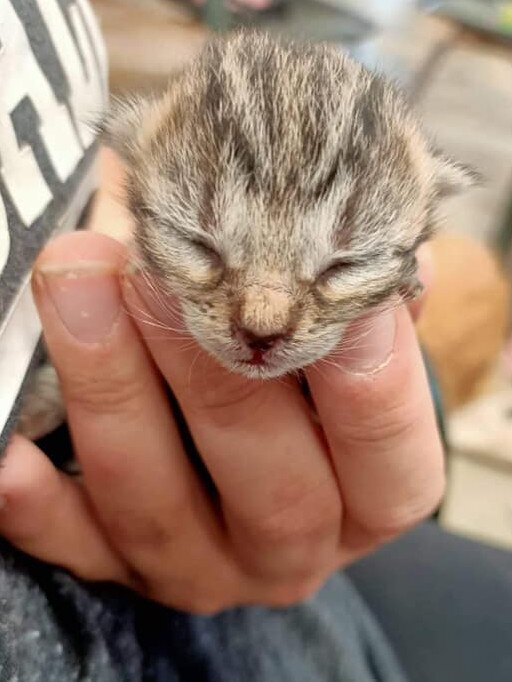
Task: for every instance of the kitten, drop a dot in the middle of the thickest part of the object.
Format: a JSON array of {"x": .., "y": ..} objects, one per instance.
[{"x": 279, "y": 191}]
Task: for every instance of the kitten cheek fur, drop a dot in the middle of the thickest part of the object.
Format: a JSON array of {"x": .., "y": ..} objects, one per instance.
[{"x": 279, "y": 158}]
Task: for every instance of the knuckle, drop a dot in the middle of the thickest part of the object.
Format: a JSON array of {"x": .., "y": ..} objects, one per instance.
[
  {"x": 131, "y": 530},
  {"x": 298, "y": 523},
  {"x": 293, "y": 592},
  {"x": 294, "y": 543},
  {"x": 417, "y": 510},
  {"x": 99, "y": 392},
  {"x": 394, "y": 424},
  {"x": 156, "y": 534},
  {"x": 408, "y": 513}
]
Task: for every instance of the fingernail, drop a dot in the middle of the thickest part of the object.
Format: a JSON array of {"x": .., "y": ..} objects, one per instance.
[
  {"x": 85, "y": 295},
  {"x": 368, "y": 343}
]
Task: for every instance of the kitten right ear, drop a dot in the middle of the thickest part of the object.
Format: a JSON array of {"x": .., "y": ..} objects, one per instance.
[
  {"x": 453, "y": 177},
  {"x": 121, "y": 125}
]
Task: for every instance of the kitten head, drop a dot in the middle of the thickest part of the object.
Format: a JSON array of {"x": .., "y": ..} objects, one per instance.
[{"x": 279, "y": 191}]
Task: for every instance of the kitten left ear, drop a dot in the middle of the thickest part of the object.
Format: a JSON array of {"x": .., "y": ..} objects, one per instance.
[
  {"x": 121, "y": 125},
  {"x": 452, "y": 177}
]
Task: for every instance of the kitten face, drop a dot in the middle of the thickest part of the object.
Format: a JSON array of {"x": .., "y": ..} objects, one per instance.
[{"x": 280, "y": 191}]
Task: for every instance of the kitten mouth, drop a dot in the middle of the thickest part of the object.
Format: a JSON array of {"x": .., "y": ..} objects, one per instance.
[
  {"x": 257, "y": 360},
  {"x": 258, "y": 367}
]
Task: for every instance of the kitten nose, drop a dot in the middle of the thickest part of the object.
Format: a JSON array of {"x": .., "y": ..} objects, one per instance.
[{"x": 258, "y": 342}]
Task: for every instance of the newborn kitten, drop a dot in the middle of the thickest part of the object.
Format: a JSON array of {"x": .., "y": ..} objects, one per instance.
[{"x": 279, "y": 191}]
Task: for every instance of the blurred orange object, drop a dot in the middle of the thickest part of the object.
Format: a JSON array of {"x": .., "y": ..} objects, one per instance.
[{"x": 464, "y": 322}]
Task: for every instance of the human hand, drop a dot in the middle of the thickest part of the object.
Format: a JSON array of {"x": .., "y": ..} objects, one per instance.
[{"x": 295, "y": 501}]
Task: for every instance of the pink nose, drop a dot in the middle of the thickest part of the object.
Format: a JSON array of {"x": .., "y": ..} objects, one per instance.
[{"x": 257, "y": 342}]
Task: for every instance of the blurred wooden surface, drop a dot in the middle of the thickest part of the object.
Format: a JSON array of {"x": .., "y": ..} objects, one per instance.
[{"x": 147, "y": 40}]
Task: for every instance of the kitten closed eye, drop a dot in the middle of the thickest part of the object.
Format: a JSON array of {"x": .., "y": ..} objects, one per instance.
[
  {"x": 207, "y": 252},
  {"x": 335, "y": 269}
]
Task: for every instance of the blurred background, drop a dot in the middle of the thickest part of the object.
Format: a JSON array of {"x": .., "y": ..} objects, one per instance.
[{"x": 454, "y": 59}]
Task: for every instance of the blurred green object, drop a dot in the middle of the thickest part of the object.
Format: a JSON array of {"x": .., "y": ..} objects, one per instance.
[
  {"x": 300, "y": 19},
  {"x": 216, "y": 15},
  {"x": 490, "y": 16}
]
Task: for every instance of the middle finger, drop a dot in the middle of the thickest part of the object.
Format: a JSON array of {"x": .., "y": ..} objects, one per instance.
[{"x": 277, "y": 489}]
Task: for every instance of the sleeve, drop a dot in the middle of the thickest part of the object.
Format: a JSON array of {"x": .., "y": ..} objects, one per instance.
[{"x": 52, "y": 86}]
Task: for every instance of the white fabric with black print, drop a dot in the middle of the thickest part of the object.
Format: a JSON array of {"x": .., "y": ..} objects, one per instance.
[{"x": 53, "y": 84}]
